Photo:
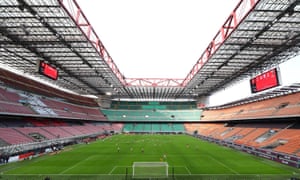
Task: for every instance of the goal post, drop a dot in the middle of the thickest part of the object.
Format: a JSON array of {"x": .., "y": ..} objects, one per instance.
[{"x": 150, "y": 169}]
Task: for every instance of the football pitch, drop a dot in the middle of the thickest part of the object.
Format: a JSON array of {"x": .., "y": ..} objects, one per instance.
[{"x": 113, "y": 157}]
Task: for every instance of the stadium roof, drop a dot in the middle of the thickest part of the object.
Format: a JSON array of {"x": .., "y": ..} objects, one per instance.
[{"x": 257, "y": 35}]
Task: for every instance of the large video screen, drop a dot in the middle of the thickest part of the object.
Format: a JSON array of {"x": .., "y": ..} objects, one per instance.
[
  {"x": 265, "y": 81},
  {"x": 47, "y": 70}
]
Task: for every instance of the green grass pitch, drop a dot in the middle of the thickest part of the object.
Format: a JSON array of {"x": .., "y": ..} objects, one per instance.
[{"x": 188, "y": 158}]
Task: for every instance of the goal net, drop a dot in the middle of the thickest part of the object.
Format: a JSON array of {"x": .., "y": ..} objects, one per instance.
[{"x": 150, "y": 169}]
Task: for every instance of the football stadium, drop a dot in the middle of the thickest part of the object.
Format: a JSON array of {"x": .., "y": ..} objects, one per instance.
[{"x": 68, "y": 112}]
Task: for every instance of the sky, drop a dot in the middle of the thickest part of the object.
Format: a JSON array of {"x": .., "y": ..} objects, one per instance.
[
  {"x": 288, "y": 74},
  {"x": 156, "y": 38}
]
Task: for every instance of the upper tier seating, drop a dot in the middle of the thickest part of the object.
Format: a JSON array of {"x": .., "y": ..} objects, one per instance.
[
  {"x": 20, "y": 102},
  {"x": 64, "y": 109},
  {"x": 6, "y": 95},
  {"x": 283, "y": 106},
  {"x": 10, "y": 103},
  {"x": 29, "y": 85}
]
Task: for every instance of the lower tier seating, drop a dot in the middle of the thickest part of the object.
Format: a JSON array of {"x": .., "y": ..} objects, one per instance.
[
  {"x": 22, "y": 131},
  {"x": 281, "y": 137}
]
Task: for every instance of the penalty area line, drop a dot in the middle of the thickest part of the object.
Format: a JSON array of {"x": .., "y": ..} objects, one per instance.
[
  {"x": 115, "y": 167},
  {"x": 112, "y": 170},
  {"x": 224, "y": 165},
  {"x": 71, "y": 167},
  {"x": 187, "y": 169}
]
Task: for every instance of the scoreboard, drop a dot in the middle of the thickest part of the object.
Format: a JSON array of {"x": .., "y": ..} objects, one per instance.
[
  {"x": 265, "y": 81},
  {"x": 48, "y": 70}
]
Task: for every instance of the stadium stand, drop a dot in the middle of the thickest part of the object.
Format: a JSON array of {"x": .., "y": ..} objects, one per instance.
[
  {"x": 11, "y": 79},
  {"x": 267, "y": 127},
  {"x": 133, "y": 105},
  {"x": 9, "y": 96},
  {"x": 283, "y": 106},
  {"x": 14, "y": 108},
  {"x": 153, "y": 117},
  {"x": 10, "y": 103},
  {"x": 36, "y": 133},
  {"x": 150, "y": 115},
  {"x": 35, "y": 114},
  {"x": 271, "y": 135},
  {"x": 153, "y": 128},
  {"x": 12, "y": 136},
  {"x": 279, "y": 137},
  {"x": 29, "y": 120},
  {"x": 64, "y": 109},
  {"x": 152, "y": 111},
  {"x": 28, "y": 103},
  {"x": 22, "y": 131}
]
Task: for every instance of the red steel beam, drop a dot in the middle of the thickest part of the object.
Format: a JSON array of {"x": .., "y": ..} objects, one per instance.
[
  {"x": 154, "y": 82},
  {"x": 243, "y": 8},
  {"x": 240, "y": 12},
  {"x": 75, "y": 12}
]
